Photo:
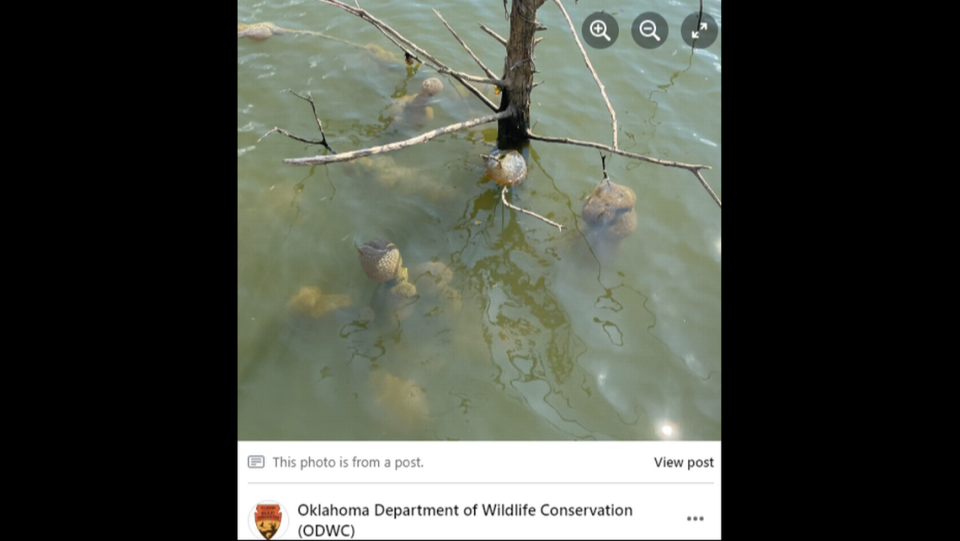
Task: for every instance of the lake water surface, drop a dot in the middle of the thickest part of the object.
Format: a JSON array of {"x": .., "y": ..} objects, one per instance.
[{"x": 542, "y": 334}]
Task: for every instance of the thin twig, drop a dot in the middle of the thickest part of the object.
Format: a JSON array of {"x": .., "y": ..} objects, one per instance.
[
  {"x": 422, "y": 138},
  {"x": 309, "y": 98},
  {"x": 298, "y": 138},
  {"x": 707, "y": 187},
  {"x": 439, "y": 66},
  {"x": 596, "y": 78},
  {"x": 489, "y": 73},
  {"x": 494, "y": 34},
  {"x": 503, "y": 197},
  {"x": 693, "y": 168}
]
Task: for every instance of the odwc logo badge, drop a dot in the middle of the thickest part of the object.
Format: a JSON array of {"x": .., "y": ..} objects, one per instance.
[{"x": 266, "y": 519}]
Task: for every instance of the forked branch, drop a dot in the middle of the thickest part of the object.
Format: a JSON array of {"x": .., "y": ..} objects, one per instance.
[{"x": 309, "y": 98}]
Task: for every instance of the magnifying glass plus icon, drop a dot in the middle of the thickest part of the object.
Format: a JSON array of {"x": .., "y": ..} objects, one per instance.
[
  {"x": 652, "y": 33},
  {"x": 599, "y": 28}
]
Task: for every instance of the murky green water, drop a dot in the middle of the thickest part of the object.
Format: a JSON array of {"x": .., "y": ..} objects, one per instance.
[{"x": 555, "y": 335}]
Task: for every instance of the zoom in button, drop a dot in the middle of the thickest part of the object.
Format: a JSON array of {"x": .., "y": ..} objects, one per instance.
[
  {"x": 600, "y": 30},
  {"x": 649, "y": 30}
]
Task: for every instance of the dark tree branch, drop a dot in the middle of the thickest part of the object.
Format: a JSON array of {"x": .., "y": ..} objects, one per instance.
[{"x": 309, "y": 98}]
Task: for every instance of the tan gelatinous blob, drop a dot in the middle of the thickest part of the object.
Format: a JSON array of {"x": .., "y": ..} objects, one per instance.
[
  {"x": 400, "y": 399},
  {"x": 262, "y": 31},
  {"x": 259, "y": 31},
  {"x": 381, "y": 55},
  {"x": 311, "y": 301},
  {"x": 381, "y": 261},
  {"x": 431, "y": 277},
  {"x": 424, "y": 289},
  {"x": 384, "y": 169},
  {"x": 432, "y": 280},
  {"x": 611, "y": 207},
  {"x": 505, "y": 167},
  {"x": 389, "y": 174},
  {"x": 415, "y": 109}
]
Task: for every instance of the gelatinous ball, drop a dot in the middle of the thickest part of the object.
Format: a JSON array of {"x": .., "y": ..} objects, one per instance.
[
  {"x": 505, "y": 168},
  {"x": 431, "y": 86},
  {"x": 380, "y": 259}
]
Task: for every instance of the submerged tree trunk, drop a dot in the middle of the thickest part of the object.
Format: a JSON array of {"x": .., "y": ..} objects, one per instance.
[{"x": 518, "y": 74}]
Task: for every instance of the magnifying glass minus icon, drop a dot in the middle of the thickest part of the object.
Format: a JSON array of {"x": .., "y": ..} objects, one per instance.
[{"x": 652, "y": 33}]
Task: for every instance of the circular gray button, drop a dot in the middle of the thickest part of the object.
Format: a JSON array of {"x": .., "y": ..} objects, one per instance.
[
  {"x": 650, "y": 30},
  {"x": 600, "y": 30},
  {"x": 699, "y": 33}
]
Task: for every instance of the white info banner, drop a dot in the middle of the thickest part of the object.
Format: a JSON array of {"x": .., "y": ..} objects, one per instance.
[{"x": 478, "y": 490}]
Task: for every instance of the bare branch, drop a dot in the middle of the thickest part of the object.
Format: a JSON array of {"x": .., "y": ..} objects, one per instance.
[
  {"x": 503, "y": 197},
  {"x": 422, "y": 138},
  {"x": 693, "y": 168},
  {"x": 464, "y": 77},
  {"x": 439, "y": 66},
  {"x": 489, "y": 73},
  {"x": 603, "y": 91},
  {"x": 707, "y": 187},
  {"x": 494, "y": 34},
  {"x": 388, "y": 30},
  {"x": 384, "y": 27}
]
